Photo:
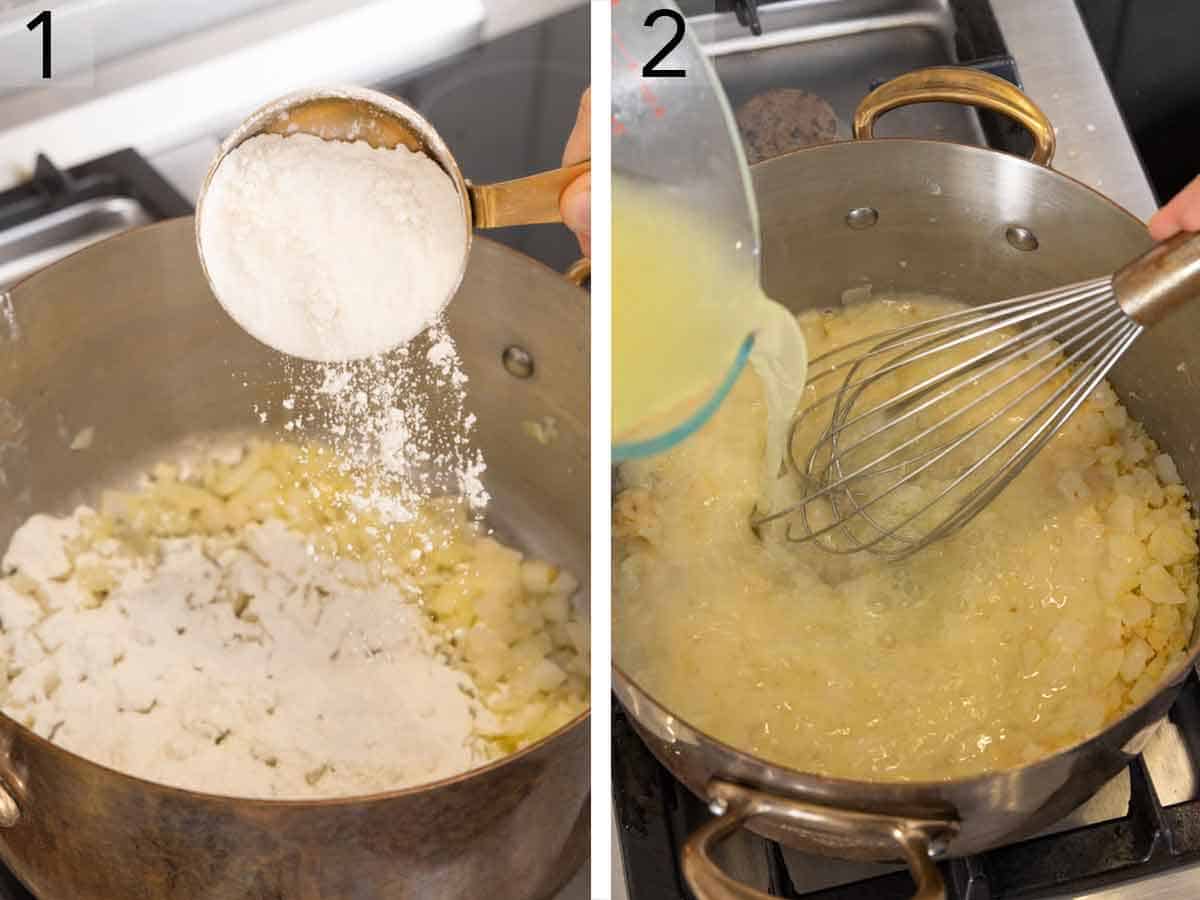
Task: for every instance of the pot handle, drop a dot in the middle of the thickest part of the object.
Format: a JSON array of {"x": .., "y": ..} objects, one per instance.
[
  {"x": 948, "y": 84},
  {"x": 916, "y": 839},
  {"x": 579, "y": 272}
]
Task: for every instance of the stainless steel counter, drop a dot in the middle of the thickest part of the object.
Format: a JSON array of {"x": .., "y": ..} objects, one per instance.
[{"x": 1061, "y": 73}]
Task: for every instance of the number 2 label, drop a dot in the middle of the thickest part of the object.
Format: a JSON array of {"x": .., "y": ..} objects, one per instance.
[{"x": 651, "y": 70}]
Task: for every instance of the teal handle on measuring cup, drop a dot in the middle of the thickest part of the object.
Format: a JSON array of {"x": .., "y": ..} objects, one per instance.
[{"x": 650, "y": 446}]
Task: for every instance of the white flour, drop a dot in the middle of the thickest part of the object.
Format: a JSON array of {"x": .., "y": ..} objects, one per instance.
[
  {"x": 400, "y": 422},
  {"x": 240, "y": 667},
  {"x": 329, "y": 250}
]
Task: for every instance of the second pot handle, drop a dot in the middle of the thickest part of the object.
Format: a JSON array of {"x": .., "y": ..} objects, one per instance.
[
  {"x": 949, "y": 84},
  {"x": 579, "y": 271},
  {"x": 915, "y": 839}
]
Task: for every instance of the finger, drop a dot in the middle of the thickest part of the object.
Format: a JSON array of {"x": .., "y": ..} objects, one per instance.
[
  {"x": 1181, "y": 214},
  {"x": 579, "y": 144},
  {"x": 1162, "y": 225},
  {"x": 576, "y": 207}
]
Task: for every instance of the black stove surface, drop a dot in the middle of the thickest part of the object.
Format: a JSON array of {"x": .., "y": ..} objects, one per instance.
[{"x": 656, "y": 814}]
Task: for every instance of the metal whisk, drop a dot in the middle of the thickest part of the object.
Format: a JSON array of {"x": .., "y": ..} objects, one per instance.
[{"x": 928, "y": 423}]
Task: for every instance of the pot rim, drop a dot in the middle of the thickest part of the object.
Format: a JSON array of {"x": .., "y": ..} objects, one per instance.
[
  {"x": 835, "y": 146},
  {"x": 137, "y": 230},
  {"x": 288, "y": 805},
  {"x": 624, "y": 683}
]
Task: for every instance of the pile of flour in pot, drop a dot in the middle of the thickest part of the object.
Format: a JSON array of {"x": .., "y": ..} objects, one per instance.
[
  {"x": 331, "y": 250},
  {"x": 236, "y": 664},
  {"x": 244, "y": 624}
]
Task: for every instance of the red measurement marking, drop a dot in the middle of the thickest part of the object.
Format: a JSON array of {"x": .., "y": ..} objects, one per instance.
[
  {"x": 618, "y": 127},
  {"x": 648, "y": 95},
  {"x": 630, "y": 62}
]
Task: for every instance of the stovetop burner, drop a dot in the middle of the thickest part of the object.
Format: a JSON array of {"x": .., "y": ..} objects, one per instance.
[{"x": 1152, "y": 832}]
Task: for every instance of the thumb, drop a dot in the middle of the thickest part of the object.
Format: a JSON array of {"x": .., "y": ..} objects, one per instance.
[
  {"x": 1181, "y": 214},
  {"x": 576, "y": 207}
]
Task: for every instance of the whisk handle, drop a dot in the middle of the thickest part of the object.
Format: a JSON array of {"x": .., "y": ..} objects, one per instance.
[{"x": 1153, "y": 285}]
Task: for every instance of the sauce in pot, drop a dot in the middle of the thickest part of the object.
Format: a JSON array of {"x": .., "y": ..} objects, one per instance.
[{"x": 1059, "y": 608}]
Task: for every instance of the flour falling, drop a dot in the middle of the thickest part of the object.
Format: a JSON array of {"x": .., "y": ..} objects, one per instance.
[{"x": 399, "y": 424}]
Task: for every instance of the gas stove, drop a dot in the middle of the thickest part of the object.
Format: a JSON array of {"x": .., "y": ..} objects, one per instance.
[{"x": 1139, "y": 836}]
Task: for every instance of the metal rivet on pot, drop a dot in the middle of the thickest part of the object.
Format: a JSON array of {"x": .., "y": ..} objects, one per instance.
[
  {"x": 9, "y": 811},
  {"x": 862, "y": 217},
  {"x": 517, "y": 362},
  {"x": 1021, "y": 237}
]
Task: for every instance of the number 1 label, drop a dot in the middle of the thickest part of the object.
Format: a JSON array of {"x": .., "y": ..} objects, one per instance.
[{"x": 42, "y": 20}]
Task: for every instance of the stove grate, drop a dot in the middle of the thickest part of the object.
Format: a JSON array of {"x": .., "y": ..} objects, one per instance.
[{"x": 122, "y": 174}]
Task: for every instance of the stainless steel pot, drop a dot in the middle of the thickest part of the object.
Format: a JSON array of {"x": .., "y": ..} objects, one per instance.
[
  {"x": 125, "y": 337},
  {"x": 975, "y": 225}
]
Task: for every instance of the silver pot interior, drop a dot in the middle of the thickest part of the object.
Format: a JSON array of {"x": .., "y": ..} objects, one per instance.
[{"x": 126, "y": 338}]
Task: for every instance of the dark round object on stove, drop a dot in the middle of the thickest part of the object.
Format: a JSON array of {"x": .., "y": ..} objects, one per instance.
[{"x": 781, "y": 120}]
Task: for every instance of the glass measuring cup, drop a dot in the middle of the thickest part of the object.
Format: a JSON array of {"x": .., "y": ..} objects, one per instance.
[
  {"x": 688, "y": 308},
  {"x": 382, "y": 121}
]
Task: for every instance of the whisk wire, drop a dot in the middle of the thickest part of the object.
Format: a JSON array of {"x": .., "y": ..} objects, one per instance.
[
  {"x": 937, "y": 381},
  {"x": 982, "y": 313},
  {"x": 839, "y": 487},
  {"x": 891, "y": 340},
  {"x": 838, "y": 420},
  {"x": 1011, "y": 467},
  {"x": 1049, "y": 350}
]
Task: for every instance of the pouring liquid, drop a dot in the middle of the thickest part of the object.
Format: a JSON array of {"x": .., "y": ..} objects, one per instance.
[{"x": 688, "y": 314}]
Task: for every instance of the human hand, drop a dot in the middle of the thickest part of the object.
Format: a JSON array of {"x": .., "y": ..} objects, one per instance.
[
  {"x": 1181, "y": 214},
  {"x": 576, "y": 201}
]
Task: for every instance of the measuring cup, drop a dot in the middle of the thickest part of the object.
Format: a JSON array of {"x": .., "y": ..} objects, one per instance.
[
  {"x": 687, "y": 315},
  {"x": 360, "y": 114}
]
